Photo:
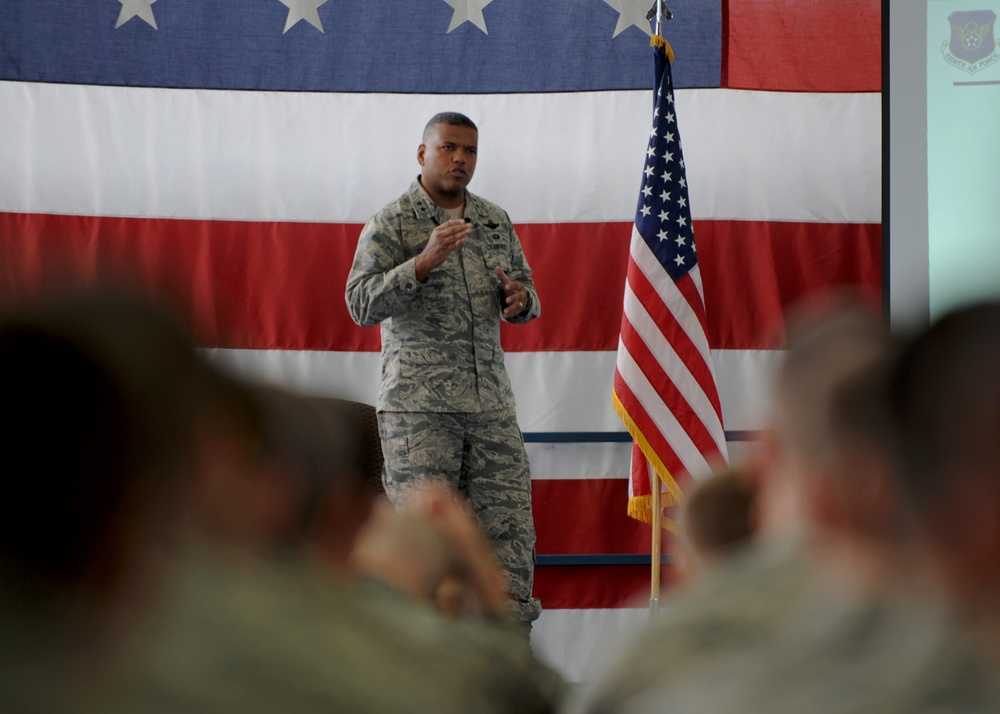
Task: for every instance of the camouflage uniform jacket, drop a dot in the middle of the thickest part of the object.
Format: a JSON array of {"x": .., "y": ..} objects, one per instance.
[
  {"x": 773, "y": 631},
  {"x": 440, "y": 339}
]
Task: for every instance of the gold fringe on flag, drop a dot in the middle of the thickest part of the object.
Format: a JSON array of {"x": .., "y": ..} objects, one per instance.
[
  {"x": 657, "y": 41},
  {"x": 639, "y": 506}
]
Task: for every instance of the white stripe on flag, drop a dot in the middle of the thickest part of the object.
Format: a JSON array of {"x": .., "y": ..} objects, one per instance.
[
  {"x": 559, "y": 461},
  {"x": 650, "y": 266},
  {"x": 556, "y": 391},
  {"x": 687, "y": 451},
  {"x": 673, "y": 365},
  {"x": 236, "y": 155}
]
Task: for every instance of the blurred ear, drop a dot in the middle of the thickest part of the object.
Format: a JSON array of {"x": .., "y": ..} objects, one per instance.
[
  {"x": 777, "y": 484},
  {"x": 236, "y": 494},
  {"x": 857, "y": 496},
  {"x": 421, "y": 153},
  {"x": 338, "y": 524},
  {"x": 766, "y": 454},
  {"x": 685, "y": 563}
]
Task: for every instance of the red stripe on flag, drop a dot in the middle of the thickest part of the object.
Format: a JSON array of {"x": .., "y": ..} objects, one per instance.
[
  {"x": 579, "y": 272},
  {"x": 646, "y": 426},
  {"x": 667, "y": 390},
  {"x": 753, "y": 269},
  {"x": 791, "y": 45},
  {"x": 595, "y": 586},
  {"x": 673, "y": 333},
  {"x": 695, "y": 300},
  {"x": 566, "y": 511},
  {"x": 268, "y": 285},
  {"x": 254, "y": 285}
]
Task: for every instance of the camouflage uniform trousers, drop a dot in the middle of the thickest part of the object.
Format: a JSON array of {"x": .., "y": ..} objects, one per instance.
[{"x": 481, "y": 455}]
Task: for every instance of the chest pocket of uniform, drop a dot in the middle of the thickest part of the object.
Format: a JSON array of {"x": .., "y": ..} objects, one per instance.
[
  {"x": 416, "y": 236},
  {"x": 497, "y": 252}
]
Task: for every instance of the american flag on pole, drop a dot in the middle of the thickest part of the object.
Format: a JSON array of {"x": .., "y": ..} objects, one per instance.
[{"x": 665, "y": 389}]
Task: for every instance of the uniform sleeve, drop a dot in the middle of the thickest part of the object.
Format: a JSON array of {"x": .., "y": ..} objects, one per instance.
[
  {"x": 381, "y": 282},
  {"x": 521, "y": 271}
]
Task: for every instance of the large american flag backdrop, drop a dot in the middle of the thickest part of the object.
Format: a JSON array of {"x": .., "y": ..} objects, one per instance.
[{"x": 227, "y": 152}]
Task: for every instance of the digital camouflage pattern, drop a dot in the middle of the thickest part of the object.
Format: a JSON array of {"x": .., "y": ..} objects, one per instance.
[
  {"x": 245, "y": 635},
  {"x": 773, "y": 633},
  {"x": 440, "y": 339},
  {"x": 489, "y": 654},
  {"x": 446, "y": 408},
  {"x": 482, "y": 456}
]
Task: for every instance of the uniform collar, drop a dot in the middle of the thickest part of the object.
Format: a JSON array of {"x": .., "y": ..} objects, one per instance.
[{"x": 425, "y": 207}]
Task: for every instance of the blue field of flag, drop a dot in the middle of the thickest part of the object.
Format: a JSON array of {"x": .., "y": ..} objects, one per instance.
[{"x": 364, "y": 45}]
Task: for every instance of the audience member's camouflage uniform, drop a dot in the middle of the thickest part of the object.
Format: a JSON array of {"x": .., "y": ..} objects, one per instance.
[
  {"x": 446, "y": 408},
  {"x": 491, "y": 654},
  {"x": 771, "y": 634},
  {"x": 249, "y": 636}
]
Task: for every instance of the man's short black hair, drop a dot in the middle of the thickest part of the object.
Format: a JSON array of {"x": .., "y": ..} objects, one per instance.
[{"x": 450, "y": 118}]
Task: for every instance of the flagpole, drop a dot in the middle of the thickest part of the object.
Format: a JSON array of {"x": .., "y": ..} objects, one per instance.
[{"x": 655, "y": 490}]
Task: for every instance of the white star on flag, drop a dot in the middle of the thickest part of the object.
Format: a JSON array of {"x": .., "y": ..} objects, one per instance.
[
  {"x": 136, "y": 8},
  {"x": 631, "y": 12},
  {"x": 303, "y": 10},
  {"x": 468, "y": 11}
]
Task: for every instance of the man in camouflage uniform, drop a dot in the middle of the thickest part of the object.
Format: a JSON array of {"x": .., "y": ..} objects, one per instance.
[{"x": 438, "y": 267}]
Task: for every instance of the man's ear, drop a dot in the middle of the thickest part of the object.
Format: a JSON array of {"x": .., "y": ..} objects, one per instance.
[{"x": 421, "y": 151}]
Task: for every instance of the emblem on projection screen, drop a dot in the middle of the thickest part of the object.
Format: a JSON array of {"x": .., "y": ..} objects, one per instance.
[{"x": 973, "y": 46}]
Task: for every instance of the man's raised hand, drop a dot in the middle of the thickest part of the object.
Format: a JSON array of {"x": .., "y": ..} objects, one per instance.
[{"x": 445, "y": 240}]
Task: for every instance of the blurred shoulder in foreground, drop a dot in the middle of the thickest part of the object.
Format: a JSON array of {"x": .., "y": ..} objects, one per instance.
[{"x": 829, "y": 609}]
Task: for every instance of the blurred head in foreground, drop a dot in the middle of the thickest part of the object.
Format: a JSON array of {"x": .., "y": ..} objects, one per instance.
[
  {"x": 100, "y": 397},
  {"x": 814, "y": 481},
  {"x": 318, "y": 447},
  {"x": 943, "y": 395},
  {"x": 717, "y": 519},
  {"x": 100, "y": 394}
]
